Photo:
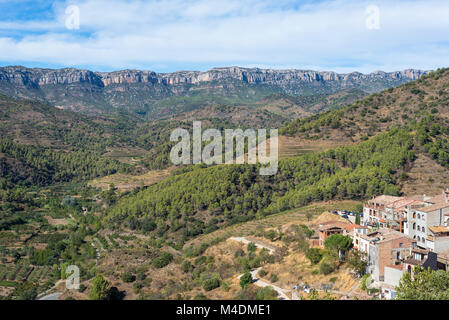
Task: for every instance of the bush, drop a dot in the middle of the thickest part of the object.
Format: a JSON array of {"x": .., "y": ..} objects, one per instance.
[
  {"x": 314, "y": 255},
  {"x": 128, "y": 277},
  {"x": 251, "y": 247},
  {"x": 262, "y": 273},
  {"x": 141, "y": 276},
  {"x": 186, "y": 266},
  {"x": 100, "y": 289},
  {"x": 82, "y": 288},
  {"x": 246, "y": 279},
  {"x": 163, "y": 260},
  {"x": 326, "y": 268},
  {"x": 363, "y": 284},
  {"x": 274, "y": 278},
  {"x": 271, "y": 234},
  {"x": 211, "y": 284},
  {"x": 266, "y": 293}
]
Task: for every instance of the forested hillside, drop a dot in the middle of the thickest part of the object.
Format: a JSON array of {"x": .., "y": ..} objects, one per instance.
[
  {"x": 408, "y": 103},
  {"x": 202, "y": 199}
]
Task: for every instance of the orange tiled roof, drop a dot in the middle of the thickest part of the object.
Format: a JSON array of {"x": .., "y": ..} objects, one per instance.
[
  {"x": 385, "y": 199},
  {"x": 354, "y": 226},
  {"x": 401, "y": 203},
  {"x": 438, "y": 229},
  {"x": 398, "y": 266},
  {"x": 332, "y": 224},
  {"x": 434, "y": 207}
]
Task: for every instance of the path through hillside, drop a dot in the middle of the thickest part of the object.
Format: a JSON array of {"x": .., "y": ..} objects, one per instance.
[{"x": 281, "y": 292}]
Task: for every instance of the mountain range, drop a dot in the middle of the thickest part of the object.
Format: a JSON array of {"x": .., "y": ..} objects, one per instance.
[{"x": 161, "y": 95}]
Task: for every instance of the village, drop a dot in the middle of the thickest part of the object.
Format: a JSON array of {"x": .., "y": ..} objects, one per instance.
[{"x": 396, "y": 234}]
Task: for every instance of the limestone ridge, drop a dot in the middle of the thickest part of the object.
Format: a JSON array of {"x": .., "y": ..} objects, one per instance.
[
  {"x": 36, "y": 77},
  {"x": 158, "y": 95}
]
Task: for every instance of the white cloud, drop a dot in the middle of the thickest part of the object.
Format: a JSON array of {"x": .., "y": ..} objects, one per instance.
[{"x": 325, "y": 35}]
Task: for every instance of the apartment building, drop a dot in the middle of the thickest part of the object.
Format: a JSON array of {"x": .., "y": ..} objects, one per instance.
[
  {"x": 384, "y": 247},
  {"x": 389, "y": 211},
  {"x": 428, "y": 224},
  {"x": 424, "y": 219},
  {"x": 374, "y": 210}
]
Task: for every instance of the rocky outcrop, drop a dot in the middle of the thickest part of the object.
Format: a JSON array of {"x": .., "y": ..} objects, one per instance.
[
  {"x": 141, "y": 91},
  {"x": 37, "y": 77}
]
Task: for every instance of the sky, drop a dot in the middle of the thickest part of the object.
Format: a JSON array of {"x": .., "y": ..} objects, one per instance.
[{"x": 173, "y": 35}]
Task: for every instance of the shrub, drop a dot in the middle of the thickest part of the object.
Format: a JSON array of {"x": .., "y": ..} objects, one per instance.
[
  {"x": 211, "y": 284},
  {"x": 274, "y": 278},
  {"x": 164, "y": 259},
  {"x": 251, "y": 247},
  {"x": 314, "y": 255},
  {"x": 128, "y": 277},
  {"x": 246, "y": 280},
  {"x": 186, "y": 266},
  {"x": 266, "y": 293},
  {"x": 333, "y": 279},
  {"x": 141, "y": 276},
  {"x": 262, "y": 273},
  {"x": 326, "y": 268}
]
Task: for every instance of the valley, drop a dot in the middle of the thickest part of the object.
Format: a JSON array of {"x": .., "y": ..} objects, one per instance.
[{"x": 91, "y": 184}]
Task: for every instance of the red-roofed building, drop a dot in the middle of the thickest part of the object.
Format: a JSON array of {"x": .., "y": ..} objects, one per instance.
[{"x": 326, "y": 229}]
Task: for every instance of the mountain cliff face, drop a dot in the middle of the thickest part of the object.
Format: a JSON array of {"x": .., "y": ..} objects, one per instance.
[{"x": 147, "y": 91}]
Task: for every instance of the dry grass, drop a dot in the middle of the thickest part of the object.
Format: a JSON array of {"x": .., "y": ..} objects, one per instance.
[
  {"x": 278, "y": 220},
  {"x": 294, "y": 146},
  {"x": 425, "y": 177},
  {"x": 124, "y": 182},
  {"x": 56, "y": 222}
]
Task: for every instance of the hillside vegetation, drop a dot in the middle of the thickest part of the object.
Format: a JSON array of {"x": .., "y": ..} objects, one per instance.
[
  {"x": 188, "y": 204},
  {"x": 407, "y": 104}
]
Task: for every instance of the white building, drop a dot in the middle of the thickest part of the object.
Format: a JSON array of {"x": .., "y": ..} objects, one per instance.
[{"x": 422, "y": 223}]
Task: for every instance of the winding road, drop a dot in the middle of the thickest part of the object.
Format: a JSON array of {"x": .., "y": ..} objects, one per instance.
[{"x": 281, "y": 292}]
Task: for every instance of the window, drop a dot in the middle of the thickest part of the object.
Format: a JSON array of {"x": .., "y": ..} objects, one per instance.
[
  {"x": 400, "y": 245},
  {"x": 419, "y": 238},
  {"x": 414, "y": 215},
  {"x": 419, "y": 216},
  {"x": 414, "y": 226},
  {"x": 423, "y": 229},
  {"x": 418, "y": 228}
]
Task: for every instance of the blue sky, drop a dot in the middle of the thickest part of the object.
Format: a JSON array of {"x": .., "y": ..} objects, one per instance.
[{"x": 170, "y": 35}]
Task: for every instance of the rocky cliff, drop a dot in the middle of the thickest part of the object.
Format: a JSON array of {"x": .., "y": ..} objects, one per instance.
[
  {"x": 37, "y": 77},
  {"x": 134, "y": 89}
]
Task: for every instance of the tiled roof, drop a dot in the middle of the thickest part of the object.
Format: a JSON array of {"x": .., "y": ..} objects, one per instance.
[
  {"x": 385, "y": 199},
  {"x": 438, "y": 229},
  {"x": 353, "y": 226},
  {"x": 434, "y": 207},
  {"x": 405, "y": 202},
  {"x": 396, "y": 266},
  {"x": 332, "y": 224}
]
